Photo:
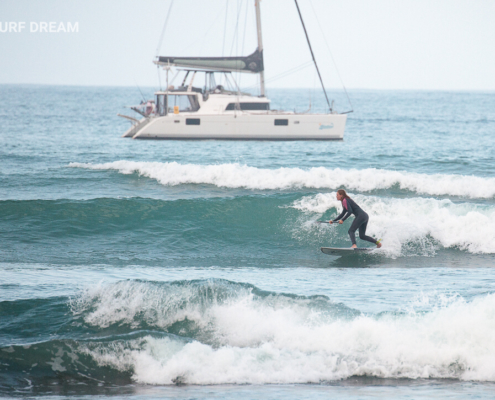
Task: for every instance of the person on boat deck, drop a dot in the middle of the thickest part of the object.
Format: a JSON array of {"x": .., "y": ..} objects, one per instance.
[
  {"x": 360, "y": 222},
  {"x": 149, "y": 108}
]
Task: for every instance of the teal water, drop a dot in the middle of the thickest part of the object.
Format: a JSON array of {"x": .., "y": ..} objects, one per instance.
[{"x": 193, "y": 270}]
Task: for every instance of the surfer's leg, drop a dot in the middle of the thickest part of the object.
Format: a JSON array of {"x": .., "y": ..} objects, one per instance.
[
  {"x": 352, "y": 230},
  {"x": 362, "y": 232}
]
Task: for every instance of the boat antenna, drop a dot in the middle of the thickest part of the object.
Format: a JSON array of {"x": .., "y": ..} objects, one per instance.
[{"x": 312, "y": 55}]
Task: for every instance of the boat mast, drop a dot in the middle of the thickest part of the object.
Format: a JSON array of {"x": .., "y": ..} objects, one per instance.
[{"x": 260, "y": 45}]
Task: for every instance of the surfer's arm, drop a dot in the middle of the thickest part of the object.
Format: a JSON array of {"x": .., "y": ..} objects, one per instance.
[
  {"x": 349, "y": 211},
  {"x": 344, "y": 211},
  {"x": 347, "y": 216}
]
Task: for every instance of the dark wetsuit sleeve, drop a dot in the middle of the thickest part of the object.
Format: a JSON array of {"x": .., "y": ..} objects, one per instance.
[
  {"x": 344, "y": 211},
  {"x": 349, "y": 210}
]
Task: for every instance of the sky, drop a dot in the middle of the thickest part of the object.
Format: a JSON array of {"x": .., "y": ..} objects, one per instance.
[{"x": 375, "y": 44}]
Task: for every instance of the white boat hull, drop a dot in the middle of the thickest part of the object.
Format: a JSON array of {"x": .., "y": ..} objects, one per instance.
[{"x": 242, "y": 126}]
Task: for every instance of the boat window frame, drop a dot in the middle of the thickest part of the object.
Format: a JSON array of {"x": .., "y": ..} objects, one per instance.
[
  {"x": 192, "y": 99},
  {"x": 161, "y": 102}
]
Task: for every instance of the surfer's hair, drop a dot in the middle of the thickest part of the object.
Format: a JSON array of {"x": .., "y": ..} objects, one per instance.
[{"x": 343, "y": 193}]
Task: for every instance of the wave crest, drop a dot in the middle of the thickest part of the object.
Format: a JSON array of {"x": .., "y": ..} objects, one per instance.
[
  {"x": 245, "y": 335},
  {"x": 281, "y": 341},
  {"x": 242, "y": 176}
]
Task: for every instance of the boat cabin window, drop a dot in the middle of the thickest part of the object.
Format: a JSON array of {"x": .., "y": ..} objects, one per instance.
[
  {"x": 248, "y": 106},
  {"x": 186, "y": 103}
]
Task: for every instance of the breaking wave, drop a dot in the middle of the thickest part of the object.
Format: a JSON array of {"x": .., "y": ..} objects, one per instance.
[
  {"x": 261, "y": 337},
  {"x": 422, "y": 221},
  {"x": 242, "y": 176},
  {"x": 219, "y": 332}
]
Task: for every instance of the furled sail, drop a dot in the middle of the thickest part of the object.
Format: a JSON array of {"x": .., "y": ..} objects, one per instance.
[{"x": 252, "y": 63}]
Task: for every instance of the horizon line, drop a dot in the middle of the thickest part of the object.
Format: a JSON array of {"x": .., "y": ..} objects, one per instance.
[{"x": 268, "y": 88}]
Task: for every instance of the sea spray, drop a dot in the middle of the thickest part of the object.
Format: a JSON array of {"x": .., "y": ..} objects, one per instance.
[{"x": 141, "y": 304}]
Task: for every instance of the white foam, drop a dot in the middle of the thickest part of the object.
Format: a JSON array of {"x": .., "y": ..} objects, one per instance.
[
  {"x": 242, "y": 176},
  {"x": 275, "y": 340},
  {"x": 133, "y": 302},
  {"x": 418, "y": 222}
]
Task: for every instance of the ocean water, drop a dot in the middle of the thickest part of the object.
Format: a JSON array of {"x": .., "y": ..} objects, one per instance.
[{"x": 193, "y": 269}]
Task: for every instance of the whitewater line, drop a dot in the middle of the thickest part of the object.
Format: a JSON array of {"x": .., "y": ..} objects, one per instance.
[{"x": 235, "y": 175}]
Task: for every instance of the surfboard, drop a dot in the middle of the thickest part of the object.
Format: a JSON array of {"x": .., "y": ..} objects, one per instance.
[{"x": 340, "y": 251}]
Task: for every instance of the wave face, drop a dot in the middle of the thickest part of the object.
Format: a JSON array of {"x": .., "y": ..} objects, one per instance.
[
  {"x": 259, "y": 230},
  {"x": 242, "y": 176},
  {"x": 220, "y": 332}
]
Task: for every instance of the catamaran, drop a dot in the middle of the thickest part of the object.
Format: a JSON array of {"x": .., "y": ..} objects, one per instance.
[{"x": 223, "y": 111}]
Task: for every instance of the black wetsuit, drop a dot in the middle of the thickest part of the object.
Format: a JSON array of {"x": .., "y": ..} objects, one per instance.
[{"x": 360, "y": 222}]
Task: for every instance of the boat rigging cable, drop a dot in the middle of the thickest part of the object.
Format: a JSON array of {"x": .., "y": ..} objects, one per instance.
[
  {"x": 285, "y": 73},
  {"x": 239, "y": 76},
  {"x": 225, "y": 26},
  {"x": 235, "y": 40},
  {"x": 236, "y": 29},
  {"x": 203, "y": 37},
  {"x": 164, "y": 29},
  {"x": 333, "y": 60},
  {"x": 140, "y": 91},
  {"x": 160, "y": 43},
  {"x": 312, "y": 55}
]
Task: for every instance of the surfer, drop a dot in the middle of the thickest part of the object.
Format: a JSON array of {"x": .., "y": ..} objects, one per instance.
[{"x": 360, "y": 222}]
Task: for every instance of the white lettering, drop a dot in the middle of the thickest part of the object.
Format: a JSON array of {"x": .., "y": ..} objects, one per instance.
[
  {"x": 73, "y": 28},
  {"x": 35, "y": 26}
]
